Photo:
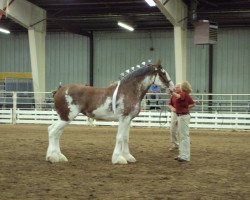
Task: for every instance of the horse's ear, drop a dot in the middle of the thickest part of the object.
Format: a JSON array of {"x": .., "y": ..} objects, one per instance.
[{"x": 158, "y": 63}]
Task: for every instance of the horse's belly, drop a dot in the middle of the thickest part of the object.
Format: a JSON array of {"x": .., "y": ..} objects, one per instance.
[
  {"x": 104, "y": 111},
  {"x": 105, "y": 116}
]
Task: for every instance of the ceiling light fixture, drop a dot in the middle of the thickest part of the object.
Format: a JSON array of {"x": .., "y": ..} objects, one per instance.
[
  {"x": 4, "y": 31},
  {"x": 126, "y": 26},
  {"x": 151, "y": 3}
]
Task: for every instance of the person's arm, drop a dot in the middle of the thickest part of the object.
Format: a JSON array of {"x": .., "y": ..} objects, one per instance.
[
  {"x": 191, "y": 105},
  {"x": 170, "y": 105},
  {"x": 175, "y": 94},
  {"x": 172, "y": 108}
]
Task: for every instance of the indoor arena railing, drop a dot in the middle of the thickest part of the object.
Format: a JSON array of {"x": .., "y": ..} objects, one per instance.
[{"x": 211, "y": 110}]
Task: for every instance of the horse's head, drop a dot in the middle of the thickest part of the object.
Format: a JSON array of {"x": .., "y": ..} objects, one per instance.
[{"x": 162, "y": 78}]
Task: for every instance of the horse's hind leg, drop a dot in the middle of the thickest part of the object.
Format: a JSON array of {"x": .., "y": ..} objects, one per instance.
[{"x": 55, "y": 131}]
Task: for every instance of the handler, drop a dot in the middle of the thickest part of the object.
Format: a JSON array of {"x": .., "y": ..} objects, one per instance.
[
  {"x": 183, "y": 103},
  {"x": 173, "y": 127}
]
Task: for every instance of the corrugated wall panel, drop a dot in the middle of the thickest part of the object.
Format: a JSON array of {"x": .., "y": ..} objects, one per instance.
[
  {"x": 14, "y": 53},
  {"x": 197, "y": 65},
  {"x": 115, "y": 52},
  {"x": 232, "y": 61},
  {"x": 66, "y": 59}
]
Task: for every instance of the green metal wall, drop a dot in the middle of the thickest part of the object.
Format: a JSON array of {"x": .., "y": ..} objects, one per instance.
[
  {"x": 14, "y": 53},
  {"x": 66, "y": 57},
  {"x": 114, "y": 52},
  {"x": 232, "y": 62}
]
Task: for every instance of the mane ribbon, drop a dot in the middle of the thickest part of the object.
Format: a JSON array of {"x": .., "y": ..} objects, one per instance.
[{"x": 114, "y": 97}]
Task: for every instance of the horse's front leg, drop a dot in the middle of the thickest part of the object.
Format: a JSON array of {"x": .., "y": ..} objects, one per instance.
[
  {"x": 119, "y": 157},
  {"x": 126, "y": 152}
]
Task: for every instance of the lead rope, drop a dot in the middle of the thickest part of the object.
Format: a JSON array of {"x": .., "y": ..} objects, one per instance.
[{"x": 114, "y": 97}]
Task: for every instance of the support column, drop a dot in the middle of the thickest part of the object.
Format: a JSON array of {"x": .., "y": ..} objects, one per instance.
[
  {"x": 91, "y": 59},
  {"x": 176, "y": 12},
  {"x": 210, "y": 76},
  {"x": 33, "y": 18},
  {"x": 180, "y": 44},
  {"x": 37, "y": 56}
]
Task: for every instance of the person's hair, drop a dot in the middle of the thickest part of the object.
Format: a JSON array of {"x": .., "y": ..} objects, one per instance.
[{"x": 185, "y": 86}]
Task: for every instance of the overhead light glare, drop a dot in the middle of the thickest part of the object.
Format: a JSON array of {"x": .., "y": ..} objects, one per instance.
[
  {"x": 4, "y": 31},
  {"x": 123, "y": 25},
  {"x": 151, "y": 3}
]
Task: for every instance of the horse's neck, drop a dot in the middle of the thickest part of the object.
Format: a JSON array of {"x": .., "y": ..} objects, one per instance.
[
  {"x": 145, "y": 85},
  {"x": 140, "y": 85}
]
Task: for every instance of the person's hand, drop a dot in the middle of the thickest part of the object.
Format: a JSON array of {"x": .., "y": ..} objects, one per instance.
[
  {"x": 171, "y": 91},
  {"x": 173, "y": 109}
]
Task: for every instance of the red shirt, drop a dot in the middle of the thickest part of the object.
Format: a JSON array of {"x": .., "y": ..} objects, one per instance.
[
  {"x": 182, "y": 104},
  {"x": 172, "y": 101}
]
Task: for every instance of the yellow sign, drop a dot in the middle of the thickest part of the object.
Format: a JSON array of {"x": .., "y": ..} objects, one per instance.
[{"x": 4, "y": 75}]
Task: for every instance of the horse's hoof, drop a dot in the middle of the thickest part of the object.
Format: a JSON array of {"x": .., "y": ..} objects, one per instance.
[
  {"x": 119, "y": 160},
  {"x": 130, "y": 158},
  {"x": 56, "y": 157}
]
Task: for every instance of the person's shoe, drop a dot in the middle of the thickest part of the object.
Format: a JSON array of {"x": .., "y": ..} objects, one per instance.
[{"x": 173, "y": 148}]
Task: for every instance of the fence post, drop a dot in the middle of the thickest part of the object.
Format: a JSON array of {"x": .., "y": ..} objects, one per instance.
[
  {"x": 236, "y": 120},
  {"x": 149, "y": 118},
  {"x": 202, "y": 103},
  {"x": 231, "y": 98},
  {"x": 14, "y": 96},
  {"x": 216, "y": 119}
]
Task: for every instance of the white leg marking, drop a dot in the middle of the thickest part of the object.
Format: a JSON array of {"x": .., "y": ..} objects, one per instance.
[
  {"x": 54, "y": 153},
  {"x": 126, "y": 152},
  {"x": 119, "y": 157}
]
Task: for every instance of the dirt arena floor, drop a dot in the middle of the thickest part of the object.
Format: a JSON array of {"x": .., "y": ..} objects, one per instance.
[{"x": 219, "y": 167}]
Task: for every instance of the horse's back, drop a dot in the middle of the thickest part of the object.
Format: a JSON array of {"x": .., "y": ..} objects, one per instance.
[{"x": 84, "y": 98}]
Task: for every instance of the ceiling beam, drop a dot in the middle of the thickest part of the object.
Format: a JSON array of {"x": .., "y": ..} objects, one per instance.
[
  {"x": 25, "y": 13},
  {"x": 174, "y": 10}
]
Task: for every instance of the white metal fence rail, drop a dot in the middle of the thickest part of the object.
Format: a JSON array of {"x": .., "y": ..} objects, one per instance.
[
  {"x": 212, "y": 111},
  {"x": 145, "y": 119}
]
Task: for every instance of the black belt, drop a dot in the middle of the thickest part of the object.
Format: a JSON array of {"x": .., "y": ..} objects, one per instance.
[{"x": 179, "y": 114}]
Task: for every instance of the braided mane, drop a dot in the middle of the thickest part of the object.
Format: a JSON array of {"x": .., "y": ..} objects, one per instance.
[{"x": 135, "y": 71}]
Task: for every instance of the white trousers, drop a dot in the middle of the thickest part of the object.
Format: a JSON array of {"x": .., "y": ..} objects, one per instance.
[
  {"x": 183, "y": 126},
  {"x": 174, "y": 129}
]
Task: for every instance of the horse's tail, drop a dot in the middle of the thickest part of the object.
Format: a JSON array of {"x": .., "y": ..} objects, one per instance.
[{"x": 55, "y": 91}]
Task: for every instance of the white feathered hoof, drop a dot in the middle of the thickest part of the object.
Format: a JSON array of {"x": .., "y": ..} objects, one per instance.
[
  {"x": 130, "y": 158},
  {"x": 56, "y": 157},
  {"x": 119, "y": 160}
]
